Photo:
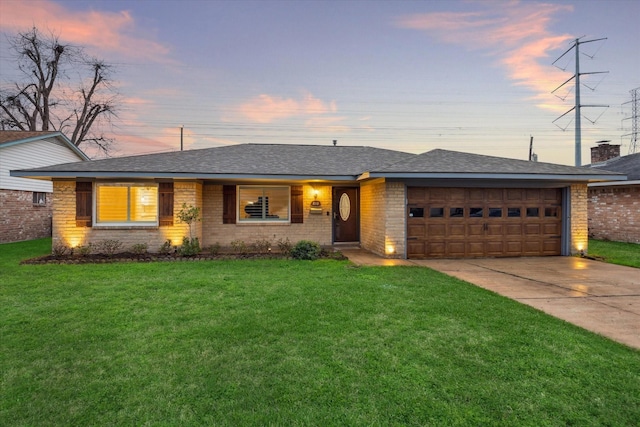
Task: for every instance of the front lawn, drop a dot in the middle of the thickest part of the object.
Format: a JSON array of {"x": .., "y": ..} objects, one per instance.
[
  {"x": 237, "y": 343},
  {"x": 616, "y": 252}
]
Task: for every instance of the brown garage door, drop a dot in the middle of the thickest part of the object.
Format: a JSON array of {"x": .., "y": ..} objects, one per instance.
[{"x": 483, "y": 222}]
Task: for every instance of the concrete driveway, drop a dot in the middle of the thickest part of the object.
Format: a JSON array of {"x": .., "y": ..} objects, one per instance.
[{"x": 603, "y": 298}]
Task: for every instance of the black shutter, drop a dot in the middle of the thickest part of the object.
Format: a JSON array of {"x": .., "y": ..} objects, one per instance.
[
  {"x": 84, "y": 204},
  {"x": 297, "y": 208},
  {"x": 228, "y": 204},
  {"x": 165, "y": 201}
]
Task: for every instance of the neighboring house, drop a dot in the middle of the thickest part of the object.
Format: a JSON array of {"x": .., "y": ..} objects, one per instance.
[
  {"x": 25, "y": 204},
  {"x": 614, "y": 207},
  {"x": 434, "y": 205}
]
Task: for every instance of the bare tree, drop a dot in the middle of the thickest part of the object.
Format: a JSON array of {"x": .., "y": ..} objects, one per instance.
[{"x": 60, "y": 88}]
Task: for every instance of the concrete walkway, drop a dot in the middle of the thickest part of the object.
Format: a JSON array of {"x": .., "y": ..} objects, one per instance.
[{"x": 603, "y": 298}]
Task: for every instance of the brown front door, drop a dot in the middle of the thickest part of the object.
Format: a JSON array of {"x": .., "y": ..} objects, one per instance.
[{"x": 346, "y": 215}]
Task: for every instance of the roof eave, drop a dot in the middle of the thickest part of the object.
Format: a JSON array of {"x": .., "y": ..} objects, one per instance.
[
  {"x": 616, "y": 183},
  {"x": 497, "y": 176},
  {"x": 176, "y": 175}
]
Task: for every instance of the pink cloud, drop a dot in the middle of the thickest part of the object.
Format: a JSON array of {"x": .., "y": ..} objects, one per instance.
[
  {"x": 104, "y": 31},
  {"x": 517, "y": 33},
  {"x": 266, "y": 108}
]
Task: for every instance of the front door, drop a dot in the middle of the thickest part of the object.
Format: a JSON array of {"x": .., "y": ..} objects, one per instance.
[{"x": 346, "y": 215}]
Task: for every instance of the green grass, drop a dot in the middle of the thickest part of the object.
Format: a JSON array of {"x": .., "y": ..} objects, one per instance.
[
  {"x": 237, "y": 343},
  {"x": 616, "y": 252}
]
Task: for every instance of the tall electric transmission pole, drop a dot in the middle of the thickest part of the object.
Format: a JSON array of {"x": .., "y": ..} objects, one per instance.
[
  {"x": 635, "y": 100},
  {"x": 578, "y": 106}
]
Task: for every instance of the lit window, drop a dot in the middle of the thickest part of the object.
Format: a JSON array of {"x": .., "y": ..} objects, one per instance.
[
  {"x": 127, "y": 203},
  {"x": 257, "y": 203}
]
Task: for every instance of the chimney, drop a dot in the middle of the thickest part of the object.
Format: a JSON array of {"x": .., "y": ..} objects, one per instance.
[
  {"x": 335, "y": 142},
  {"x": 604, "y": 151}
]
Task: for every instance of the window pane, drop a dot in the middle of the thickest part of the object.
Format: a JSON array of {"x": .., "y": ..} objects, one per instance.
[
  {"x": 277, "y": 203},
  {"x": 513, "y": 212},
  {"x": 263, "y": 203},
  {"x": 551, "y": 211},
  {"x": 143, "y": 203},
  {"x": 456, "y": 212},
  {"x": 495, "y": 212},
  {"x": 533, "y": 212},
  {"x": 475, "y": 212},
  {"x": 112, "y": 203},
  {"x": 416, "y": 212},
  {"x": 436, "y": 212}
]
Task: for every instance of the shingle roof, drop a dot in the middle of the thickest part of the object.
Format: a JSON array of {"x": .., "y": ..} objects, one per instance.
[
  {"x": 446, "y": 161},
  {"x": 628, "y": 165},
  {"x": 249, "y": 159},
  {"x": 7, "y": 136},
  {"x": 314, "y": 162}
]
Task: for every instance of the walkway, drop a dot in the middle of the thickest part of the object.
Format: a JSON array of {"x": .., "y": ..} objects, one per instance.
[{"x": 603, "y": 298}]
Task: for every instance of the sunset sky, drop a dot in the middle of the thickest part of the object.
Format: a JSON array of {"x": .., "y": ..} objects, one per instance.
[{"x": 471, "y": 76}]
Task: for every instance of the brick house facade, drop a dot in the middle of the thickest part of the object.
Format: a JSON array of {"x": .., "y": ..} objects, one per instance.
[
  {"x": 614, "y": 207},
  {"x": 293, "y": 189},
  {"x": 26, "y": 204}
]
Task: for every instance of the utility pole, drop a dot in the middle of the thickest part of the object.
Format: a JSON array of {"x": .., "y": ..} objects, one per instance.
[
  {"x": 181, "y": 133},
  {"x": 578, "y": 106},
  {"x": 531, "y": 148},
  {"x": 635, "y": 100}
]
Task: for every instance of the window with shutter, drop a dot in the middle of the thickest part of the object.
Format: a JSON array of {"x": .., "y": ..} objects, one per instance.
[{"x": 84, "y": 204}]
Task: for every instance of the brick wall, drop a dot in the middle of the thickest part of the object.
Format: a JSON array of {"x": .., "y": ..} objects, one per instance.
[
  {"x": 382, "y": 218},
  {"x": 315, "y": 227},
  {"x": 20, "y": 219},
  {"x": 66, "y": 233},
  {"x": 604, "y": 152},
  {"x": 614, "y": 213},
  {"x": 579, "y": 219}
]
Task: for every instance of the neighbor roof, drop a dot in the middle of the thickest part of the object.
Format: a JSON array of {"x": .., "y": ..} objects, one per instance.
[
  {"x": 628, "y": 165},
  {"x": 15, "y": 137},
  {"x": 283, "y": 161}
]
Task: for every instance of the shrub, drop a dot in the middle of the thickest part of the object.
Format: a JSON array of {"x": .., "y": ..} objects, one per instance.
[
  {"x": 166, "y": 248},
  {"x": 109, "y": 247},
  {"x": 60, "y": 249},
  {"x": 262, "y": 246},
  {"x": 239, "y": 247},
  {"x": 213, "y": 249},
  {"x": 84, "y": 250},
  {"x": 190, "y": 246},
  {"x": 140, "y": 248},
  {"x": 284, "y": 246},
  {"x": 306, "y": 249}
]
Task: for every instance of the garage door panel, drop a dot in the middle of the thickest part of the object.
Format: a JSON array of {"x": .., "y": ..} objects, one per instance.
[
  {"x": 480, "y": 222},
  {"x": 416, "y": 230},
  {"x": 436, "y": 230}
]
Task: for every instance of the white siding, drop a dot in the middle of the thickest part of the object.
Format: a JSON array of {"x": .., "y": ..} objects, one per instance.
[{"x": 29, "y": 155}]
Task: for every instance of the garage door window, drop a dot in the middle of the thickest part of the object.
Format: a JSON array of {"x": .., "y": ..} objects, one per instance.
[
  {"x": 533, "y": 212},
  {"x": 416, "y": 212},
  {"x": 456, "y": 212},
  {"x": 551, "y": 211},
  {"x": 513, "y": 212},
  {"x": 436, "y": 213},
  {"x": 475, "y": 212},
  {"x": 495, "y": 212}
]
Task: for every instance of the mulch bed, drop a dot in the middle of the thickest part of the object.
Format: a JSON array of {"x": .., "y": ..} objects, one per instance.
[{"x": 127, "y": 257}]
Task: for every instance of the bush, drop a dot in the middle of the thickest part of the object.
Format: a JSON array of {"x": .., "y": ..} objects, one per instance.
[
  {"x": 306, "y": 249},
  {"x": 213, "y": 249},
  {"x": 109, "y": 247},
  {"x": 166, "y": 248},
  {"x": 262, "y": 246},
  {"x": 239, "y": 247},
  {"x": 189, "y": 246},
  {"x": 284, "y": 246},
  {"x": 60, "y": 250},
  {"x": 140, "y": 248},
  {"x": 84, "y": 250}
]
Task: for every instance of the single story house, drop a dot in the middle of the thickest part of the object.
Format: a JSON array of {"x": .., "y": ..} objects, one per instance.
[
  {"x": 439, "y": 204},
  {"x": 614, "y": 207},
  {"x": 25, "y": 204}
]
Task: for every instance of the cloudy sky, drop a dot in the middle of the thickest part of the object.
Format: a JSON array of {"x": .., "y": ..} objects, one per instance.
[{"x": 472, "y": 76}]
